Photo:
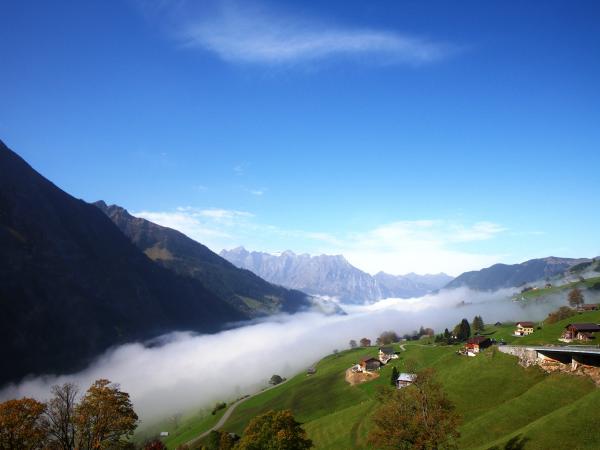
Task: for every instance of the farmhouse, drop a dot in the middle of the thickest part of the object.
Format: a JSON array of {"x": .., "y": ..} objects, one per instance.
[
  {"x": 386, "y": 353},
  {"x": 524, "y": 328},
  {"x": 477, "y": 343},
  {"x": 579, "y": 332},
  {"x": 405, "y": 379},
  {"x": 368, "y": 364}
]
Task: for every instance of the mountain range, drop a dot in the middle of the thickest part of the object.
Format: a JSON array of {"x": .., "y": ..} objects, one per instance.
[
  {"x": 333, "y": 276},
  {"x": 501, "y": 276}
]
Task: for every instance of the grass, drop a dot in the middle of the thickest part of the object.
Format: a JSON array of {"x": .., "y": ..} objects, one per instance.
[
  {"x": 497, "y": 398},
  {"x": 189, "y": 426},
  {"x": 543, "y": 292}
]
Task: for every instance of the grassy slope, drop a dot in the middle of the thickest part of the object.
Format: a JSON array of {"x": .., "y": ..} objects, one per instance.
[
  {"x": 559, "y": 289},
  {"x": 190, "y": 426},
  {"x": 491, "y": 392}
]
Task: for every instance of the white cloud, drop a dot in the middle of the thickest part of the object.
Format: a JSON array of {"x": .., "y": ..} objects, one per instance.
[
  {"x": 422, "y": 246},
  {"x": 246, "y": 32}
]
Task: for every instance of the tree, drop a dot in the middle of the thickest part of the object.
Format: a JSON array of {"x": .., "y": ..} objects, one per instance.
[
  {"x": 274, "y": 430},
  {"x": 417, "y": 417},
  {"x": 364, "y": 342},
  {"x": 275, "y": 379},
  {"x": 576, "y": 297},
  {"x": 478, "y": 324},
  {"x": 387, "y": 337},
  {"x": 105, "y": 416},
  {"x": 22, "y": 424},
  {"x": 561, "y": 313},
  {"x": 394, "y": 377},
  {"x": 155, "y": 444},
  {"x": 462, "y": 331},
  {"x": 353, "y": 343},
  {"x": 59, "y": 415}
]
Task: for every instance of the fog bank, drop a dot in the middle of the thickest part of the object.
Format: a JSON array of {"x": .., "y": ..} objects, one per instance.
[{"x": 182, "y": 370}]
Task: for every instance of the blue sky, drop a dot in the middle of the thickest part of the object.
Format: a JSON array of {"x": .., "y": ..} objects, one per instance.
[{"x": 406, "y": 135}]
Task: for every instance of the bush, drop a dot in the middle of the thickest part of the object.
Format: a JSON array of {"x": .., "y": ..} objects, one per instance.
[
  {"x": 561, "y": 313},
  {"x": 218, "y": 407}
]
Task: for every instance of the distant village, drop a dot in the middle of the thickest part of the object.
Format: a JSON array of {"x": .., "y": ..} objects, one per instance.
[{"x": 475, "y": 338}]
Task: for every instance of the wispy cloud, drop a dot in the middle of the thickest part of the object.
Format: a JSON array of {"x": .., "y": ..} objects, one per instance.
[
  {"x": 423, "y": 246},
  {"x": 248, "y": 33}
]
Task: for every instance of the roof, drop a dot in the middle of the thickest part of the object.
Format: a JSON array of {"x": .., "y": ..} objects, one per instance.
[
  {"x": 407, "y": 377},
  {"x": 591, "y": 327},
  {"x": 477, "y": 340},
  {"x": 368, "y": 358},
  {"x": 526, "y": 324},
  {"x": 387, "y": 350}
]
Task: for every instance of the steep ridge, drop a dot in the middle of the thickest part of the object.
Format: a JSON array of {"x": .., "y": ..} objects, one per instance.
[
  {"x": 72, "y": 284},
  {"x": 173, "y": 250}
]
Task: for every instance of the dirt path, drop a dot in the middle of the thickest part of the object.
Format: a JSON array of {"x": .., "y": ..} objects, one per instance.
[
  {"x": 418, "y": 345},
  {"x": 229, "y": 411}
]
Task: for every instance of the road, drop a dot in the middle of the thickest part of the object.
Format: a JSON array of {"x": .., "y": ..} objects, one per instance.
[{"x": 228, "y": 413}]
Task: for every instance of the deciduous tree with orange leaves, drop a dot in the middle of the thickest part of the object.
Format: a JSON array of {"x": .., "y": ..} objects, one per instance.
[
  {"x": 22, "y": 424},
  {"x": 417, "y": 417},
  {"x": 104, "y": 417}
]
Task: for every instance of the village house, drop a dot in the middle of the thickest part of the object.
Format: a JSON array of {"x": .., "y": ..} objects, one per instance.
[
  {"x": 369, "y": 364},
  {"x": 387, "y": 353},
  {"x": 579, "y": 332},
  {"x": 524, "y": 328},
  {"x": 588, "y": 307},
  {"x": 405, "y": 379},
  {"x": 475, "y": 344}
]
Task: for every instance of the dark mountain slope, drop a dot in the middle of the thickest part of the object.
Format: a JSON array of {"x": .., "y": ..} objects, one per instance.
[
  {"x": 174, "y": 250},
  {"x": 72, "y": 284},
  {"x": 505, "y": 276}
]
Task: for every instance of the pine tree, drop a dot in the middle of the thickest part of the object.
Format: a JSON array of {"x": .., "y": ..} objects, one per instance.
[{"x": 395, "y": 374}]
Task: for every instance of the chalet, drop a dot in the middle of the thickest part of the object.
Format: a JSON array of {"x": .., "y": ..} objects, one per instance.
[
  {"x": 475, "y": 344},
  {"x": 579, "y": 332},
  {"x": 588, "y": 307},
  {"x": 368, "y": 364},
  {"x": 386, "y": 353},
  {"x": 405, "y": 379},
  {"x": 311, "y": 371},
  {"x": 524, "y": 328},
  {"x": 498, "y": 324}
]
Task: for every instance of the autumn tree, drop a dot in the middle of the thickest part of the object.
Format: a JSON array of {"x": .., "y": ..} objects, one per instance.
[
  {"x": 353, "y": 343},
  {"x": 274, "y": 430},
  {"x": 22, "y": 424},
  {"x": 59, "y": 415},
  {"x": 387, "y": 337},
  {"x": 417, "y": 417},
  {"x": 155, "y": 444},
  {"x": 364, "y": 342},
  {"x": 576, "y": 297},
  {"x": 105, "y": 417}
]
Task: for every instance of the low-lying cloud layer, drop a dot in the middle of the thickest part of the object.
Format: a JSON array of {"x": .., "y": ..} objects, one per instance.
[{"x": 192, "y": 371}]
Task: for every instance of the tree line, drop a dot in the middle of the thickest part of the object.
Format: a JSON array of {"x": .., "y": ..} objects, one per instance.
[{"x": 103, "y": 418}]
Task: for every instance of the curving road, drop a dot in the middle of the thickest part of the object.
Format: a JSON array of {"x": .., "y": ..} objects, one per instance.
[{"x": 229, "y": 411}]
